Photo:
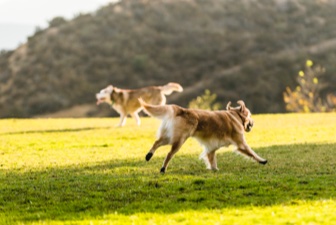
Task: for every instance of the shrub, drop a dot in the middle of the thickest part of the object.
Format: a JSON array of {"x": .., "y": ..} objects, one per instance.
[
  {"x": 306, "y": 96},
  {"x": 206, "y": 101}
]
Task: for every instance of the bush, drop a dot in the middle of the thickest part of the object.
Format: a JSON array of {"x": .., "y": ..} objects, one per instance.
[
  {"x": 306, "y": 96},
  {"x": 206, "y": 101}
]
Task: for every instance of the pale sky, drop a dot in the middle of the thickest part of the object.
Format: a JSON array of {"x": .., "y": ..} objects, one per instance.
[{"x": 19, "y": 18}]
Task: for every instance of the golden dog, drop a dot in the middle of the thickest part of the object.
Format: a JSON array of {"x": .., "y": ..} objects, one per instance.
[
  {"x": 126, "y": 101},
  {"x": 213, "y": 129}
]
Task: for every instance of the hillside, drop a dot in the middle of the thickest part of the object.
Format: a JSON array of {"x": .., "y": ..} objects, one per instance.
[{"x": 247, "y": 50}]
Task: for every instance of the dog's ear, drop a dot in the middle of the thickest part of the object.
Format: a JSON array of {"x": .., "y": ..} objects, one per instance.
[
  {"x": 242, "y": 105},
  {"x": 228, "y": 106}
]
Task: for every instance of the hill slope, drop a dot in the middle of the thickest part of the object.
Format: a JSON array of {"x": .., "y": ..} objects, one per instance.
[{"x": 247, "y": 50}]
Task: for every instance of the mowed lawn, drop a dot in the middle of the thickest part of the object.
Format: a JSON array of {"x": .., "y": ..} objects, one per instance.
[{"x": 87, "y": 171}]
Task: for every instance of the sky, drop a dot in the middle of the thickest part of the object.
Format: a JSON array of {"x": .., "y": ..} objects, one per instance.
[{"x": 20, "y": 18}]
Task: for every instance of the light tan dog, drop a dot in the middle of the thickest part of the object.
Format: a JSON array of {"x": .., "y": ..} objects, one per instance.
[
  {"x": 125, "y": 102},
  {"x": 213, "y": 129}
]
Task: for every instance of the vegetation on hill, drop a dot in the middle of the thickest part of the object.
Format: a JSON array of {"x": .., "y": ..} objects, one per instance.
[{"x": 248, "y": 50}]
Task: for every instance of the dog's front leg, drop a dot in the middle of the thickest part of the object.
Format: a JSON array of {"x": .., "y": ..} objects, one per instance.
[
  {"x": 209, "y": 157},
  {"x": 123, "y": 118},
  {"x": 137, "y": 118},
  {"x": 212, "y": 160},
  {"x": 246, "y": 150}
]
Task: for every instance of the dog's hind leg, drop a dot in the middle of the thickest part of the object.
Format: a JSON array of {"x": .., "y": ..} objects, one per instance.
[
  {"x": 160, "y": 142},
  {"x": 175, "y": 147}
]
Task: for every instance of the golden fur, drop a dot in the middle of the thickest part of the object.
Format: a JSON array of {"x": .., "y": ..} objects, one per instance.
[
  {"x": 125, "y": 101},
  {"x": 213, "y": 129}
]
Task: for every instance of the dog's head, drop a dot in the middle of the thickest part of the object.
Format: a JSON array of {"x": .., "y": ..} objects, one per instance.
[
  {"x": 105, "y": 95},
  {"x": 244, "y": 114}
]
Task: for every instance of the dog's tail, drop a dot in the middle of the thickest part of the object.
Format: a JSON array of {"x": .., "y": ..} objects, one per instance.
[
  {"x": 170, "y": 87},
  {"x": 157, "y": 111}
]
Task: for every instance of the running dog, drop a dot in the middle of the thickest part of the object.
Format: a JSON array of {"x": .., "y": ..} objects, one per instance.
[
  {"x": 125, "y": 102},
  {"x": 212, "y": 129}
]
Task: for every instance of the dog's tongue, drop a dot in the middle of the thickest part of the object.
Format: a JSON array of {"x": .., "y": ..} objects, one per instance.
[{"x": 98, "y": 102}]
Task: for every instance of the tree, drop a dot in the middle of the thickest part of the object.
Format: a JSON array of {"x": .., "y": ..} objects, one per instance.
[{"x": 57, "y": 21}]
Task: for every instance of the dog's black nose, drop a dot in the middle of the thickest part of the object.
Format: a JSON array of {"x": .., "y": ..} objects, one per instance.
[{"x": 249, "y": 127}]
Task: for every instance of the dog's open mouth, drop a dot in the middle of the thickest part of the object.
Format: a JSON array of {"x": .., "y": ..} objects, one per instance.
[
  {"x": 249, "y": 127},
  {"x": 100, "y": 100}
]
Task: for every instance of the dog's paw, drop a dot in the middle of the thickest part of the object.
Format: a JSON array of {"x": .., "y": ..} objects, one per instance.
[
  {"x": 149, "y": 156},
  {"x": 263, "y": 162},
  {"x": 163, "y": 170}
]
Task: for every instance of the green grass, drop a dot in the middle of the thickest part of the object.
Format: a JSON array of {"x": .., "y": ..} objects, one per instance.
[{"x": 86, "y": 171}]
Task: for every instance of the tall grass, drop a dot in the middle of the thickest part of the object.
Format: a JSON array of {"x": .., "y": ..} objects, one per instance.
[{"x": 86, "y": 171}]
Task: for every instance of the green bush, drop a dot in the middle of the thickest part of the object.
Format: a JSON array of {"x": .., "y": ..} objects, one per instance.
[{"x": 206, "y": 101}]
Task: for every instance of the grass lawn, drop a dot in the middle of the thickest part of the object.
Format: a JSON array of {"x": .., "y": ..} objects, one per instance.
[{"x": 86, "y": 171}]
